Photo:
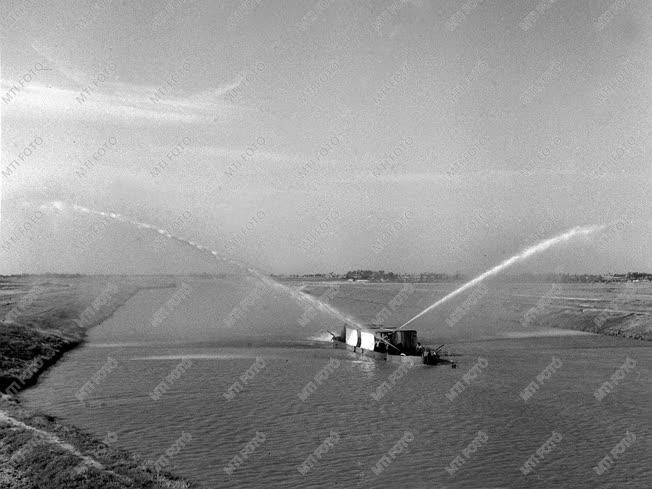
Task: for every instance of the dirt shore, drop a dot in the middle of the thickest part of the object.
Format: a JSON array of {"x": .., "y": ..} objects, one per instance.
[{"x": 41, "y": 318}]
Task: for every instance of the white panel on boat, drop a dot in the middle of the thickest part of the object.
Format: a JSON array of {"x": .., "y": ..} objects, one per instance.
[
  {"x": 351, "y": 336},
  {"x": 368, "y": 342}
]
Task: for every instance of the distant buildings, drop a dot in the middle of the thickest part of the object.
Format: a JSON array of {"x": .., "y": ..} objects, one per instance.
[{"x": 375, "y": 276}]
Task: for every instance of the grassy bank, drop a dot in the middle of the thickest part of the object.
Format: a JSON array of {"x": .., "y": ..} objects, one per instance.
[{"x": 42, "y": 318}]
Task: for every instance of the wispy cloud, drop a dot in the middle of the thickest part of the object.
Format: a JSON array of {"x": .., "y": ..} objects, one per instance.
[
  {"x": 119, "y": 101},
  {"x": 227, "y": 87},
  {"x": 232, "y": 153},
  {"x": 410, "y": 178},
  {"x": 75, "y": 96}
]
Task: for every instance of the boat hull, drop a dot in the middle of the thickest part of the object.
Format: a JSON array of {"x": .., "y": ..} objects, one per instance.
[{"x": 386, "y": 357}]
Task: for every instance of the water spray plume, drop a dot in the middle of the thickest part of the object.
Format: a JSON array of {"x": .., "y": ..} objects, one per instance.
[
  {"x": 532, "y": 250},
  {"x": 294, "y": 293}
]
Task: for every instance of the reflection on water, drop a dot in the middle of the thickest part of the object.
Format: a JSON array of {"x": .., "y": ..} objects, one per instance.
[{"x": 365, "y": 366}]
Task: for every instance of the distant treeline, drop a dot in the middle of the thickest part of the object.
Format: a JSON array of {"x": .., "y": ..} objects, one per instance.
[
  {"x": 583, "y": 278},
  {"x": 376, "y": 276},
  {"x": 383, "y": 276}
]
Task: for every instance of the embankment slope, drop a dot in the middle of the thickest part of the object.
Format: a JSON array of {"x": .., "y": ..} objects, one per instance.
[{"x": 42, "y": 318}]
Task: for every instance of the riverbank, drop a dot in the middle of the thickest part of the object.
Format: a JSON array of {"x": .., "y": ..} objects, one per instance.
[{"x": 43, "y": 317}]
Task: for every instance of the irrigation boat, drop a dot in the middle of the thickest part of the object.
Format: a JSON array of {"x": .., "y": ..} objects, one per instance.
[{"x": 386, "y": 344}]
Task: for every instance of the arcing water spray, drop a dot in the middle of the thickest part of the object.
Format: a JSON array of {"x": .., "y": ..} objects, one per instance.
[
  {"x": 532, "y": 250},
  {"x": 295, "y": 294}
]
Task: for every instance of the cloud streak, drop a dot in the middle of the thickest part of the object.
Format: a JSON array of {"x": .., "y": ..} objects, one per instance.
[{"x": 116, "y": 101}]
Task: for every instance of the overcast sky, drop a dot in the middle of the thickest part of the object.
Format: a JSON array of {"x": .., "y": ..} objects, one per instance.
[{"x": 328, "y": 135}]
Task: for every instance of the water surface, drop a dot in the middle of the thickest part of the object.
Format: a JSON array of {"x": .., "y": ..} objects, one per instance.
[{"x": 343, "y": 403}]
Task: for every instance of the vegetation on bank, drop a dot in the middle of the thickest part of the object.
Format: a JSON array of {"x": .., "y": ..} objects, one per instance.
[
  {"x": 39, "y": 452},
  {"x": 40, "y": 319}
]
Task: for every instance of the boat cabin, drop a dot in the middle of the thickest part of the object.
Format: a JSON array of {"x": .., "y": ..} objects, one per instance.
[{"x": 383, "y": 340}]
